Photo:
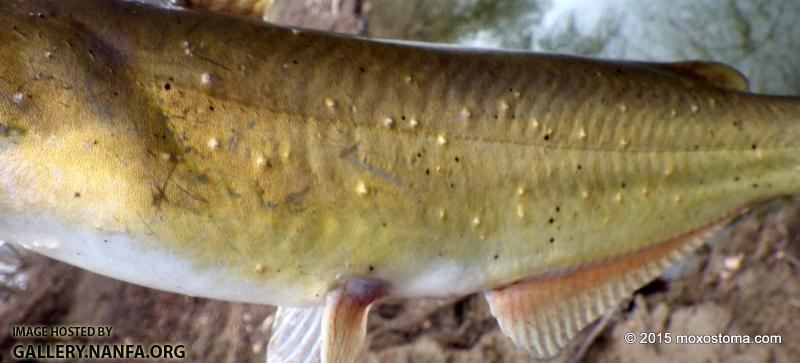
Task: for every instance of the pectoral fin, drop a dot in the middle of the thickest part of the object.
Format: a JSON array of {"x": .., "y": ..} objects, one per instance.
[
  {"x": 715, "y": 73},
  {"x": 331, "y": 334},
  {"x": 542, "y": 314}
]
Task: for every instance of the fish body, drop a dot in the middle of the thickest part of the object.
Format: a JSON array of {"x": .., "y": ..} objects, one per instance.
[{"x": 243, "y": 161}]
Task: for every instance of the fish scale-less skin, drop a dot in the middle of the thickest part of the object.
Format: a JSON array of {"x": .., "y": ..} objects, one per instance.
[{"x": 303, "y": 159}]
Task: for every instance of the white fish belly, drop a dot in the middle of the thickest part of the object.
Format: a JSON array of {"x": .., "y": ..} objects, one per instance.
[{"x": 119, "y": 256}]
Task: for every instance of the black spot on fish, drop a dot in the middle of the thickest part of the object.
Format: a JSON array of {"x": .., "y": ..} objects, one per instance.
[{"x": 167, "y": 86}]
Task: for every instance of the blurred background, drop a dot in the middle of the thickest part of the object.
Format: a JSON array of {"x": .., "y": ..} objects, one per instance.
[
  {"x": 759, "y": 37},
  {"x": 744, "y": 282}
]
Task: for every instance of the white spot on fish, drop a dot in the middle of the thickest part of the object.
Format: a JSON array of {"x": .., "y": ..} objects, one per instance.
[
  {"x": 534, "y": 123},
  {"x": 413, "y": 123},
  {"x": 759, "y": 154},
  {"x": 295, "y": 31},
  {"x": 645, "y": 191},
  {"x": 624, "y": 142},
  {"x": 213, "y": 143},
  {"x": 465, "y": 113},
  {"x": 330, "y": 103},
  {"x": 585, "y": 194},
  {"x": 166, "y": 156},
  {"x": 520, "y": 190},
  {"x": 441, "y": 140},
  {"x": 407, "y": 79},
  {"x": 623, "y": 108},
  {"x": 517, "y": 94},
  {"x": 582, "y": 133},
  {"x": 259, "y": 268},
  {"x": 695, "y": 108},
  {"x": 388, "y": 122},
  {"x": 678, "y": 198},
  {"x": 476, "y": 221},
  {"x": 261, "y": 162},
  {"x": 503, "y": 106},
  {"x": 520, "y": 211},
  {"x": 205, "y": 78},
  {"x": 18, "y": 98},
  {"x": 618, "y": 198},
  {"x": 673, "y": 113},
  {"x": 669, "y": 171},
  {"x": 442, "y": 213},
  {"x": 361, "y": 188},
  {"x": 285, "y": 151}
]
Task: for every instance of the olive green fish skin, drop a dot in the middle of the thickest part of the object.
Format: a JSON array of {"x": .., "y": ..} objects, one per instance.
[{"x": 295, "y": 158}]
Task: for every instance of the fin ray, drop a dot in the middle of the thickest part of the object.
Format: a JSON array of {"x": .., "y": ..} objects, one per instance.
[
  {"x": 296, "y": 335},
  {"x": 543, "y": 314}
]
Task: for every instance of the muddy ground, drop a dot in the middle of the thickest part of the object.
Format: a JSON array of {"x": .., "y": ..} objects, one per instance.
[{"x": 744, "y": 282}]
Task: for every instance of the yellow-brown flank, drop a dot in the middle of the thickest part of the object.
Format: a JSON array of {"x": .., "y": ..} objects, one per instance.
[{"x": 306, "y": 159}]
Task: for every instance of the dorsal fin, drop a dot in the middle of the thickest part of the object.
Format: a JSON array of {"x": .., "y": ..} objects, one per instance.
[
  {"x": 719, "y": 74},
  {"x": 543, "y": 314}
]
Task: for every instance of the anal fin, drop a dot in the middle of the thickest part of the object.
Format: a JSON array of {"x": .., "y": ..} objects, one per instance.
[{"x": 544, "y": 313}]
